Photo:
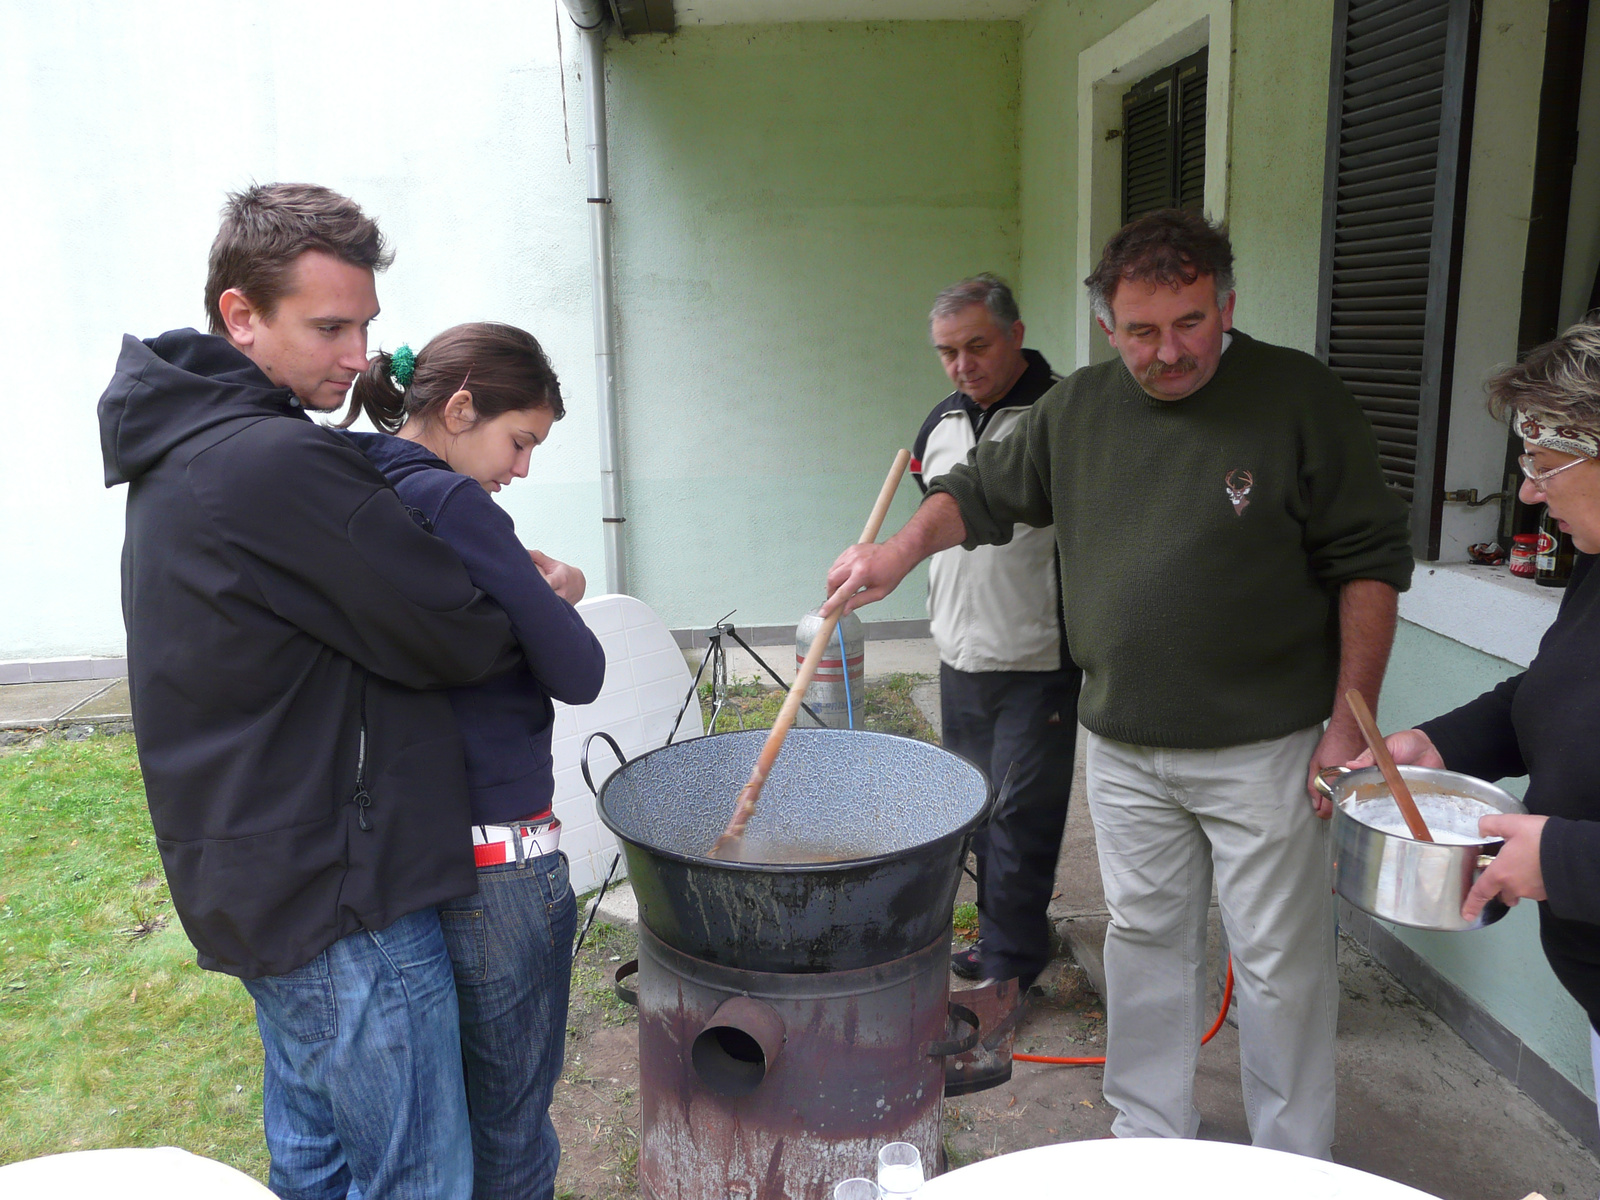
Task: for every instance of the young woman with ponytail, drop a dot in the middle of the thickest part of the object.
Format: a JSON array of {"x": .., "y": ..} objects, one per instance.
[{"x": 468, "y": 409}]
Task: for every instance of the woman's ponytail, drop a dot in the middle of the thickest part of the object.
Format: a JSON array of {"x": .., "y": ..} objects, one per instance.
[
  {"x": 376, "y": 393},
  {"x": 505, "y": 368}
]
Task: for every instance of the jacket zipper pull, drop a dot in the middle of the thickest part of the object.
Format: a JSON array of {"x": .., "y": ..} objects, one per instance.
[{"x": 362, "y": 799}]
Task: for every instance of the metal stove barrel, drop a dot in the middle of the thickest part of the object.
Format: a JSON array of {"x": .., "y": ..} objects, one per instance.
[{"x": 775, "y": 1086}]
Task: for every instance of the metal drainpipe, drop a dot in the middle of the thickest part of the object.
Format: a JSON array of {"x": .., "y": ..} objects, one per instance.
[{"x": 589, "y": 16}]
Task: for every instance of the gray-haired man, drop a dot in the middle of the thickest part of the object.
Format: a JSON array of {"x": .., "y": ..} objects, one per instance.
[{"x": 1008, "y": 690}]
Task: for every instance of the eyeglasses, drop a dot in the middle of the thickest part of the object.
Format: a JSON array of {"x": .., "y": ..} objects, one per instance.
[{"x": 1540, "y": 478}]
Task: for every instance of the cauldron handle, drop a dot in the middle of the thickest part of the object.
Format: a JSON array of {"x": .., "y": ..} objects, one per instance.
[
  {"x": 625, "y": 993},
  {"x": 991, "y": 807},
  {"x": 963, "y": 1014},
  {"x": 1001, "y": 795},
  {"x": 583, "y": 759}
]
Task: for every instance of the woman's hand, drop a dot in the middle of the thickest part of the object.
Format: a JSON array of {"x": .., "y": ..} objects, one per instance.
[
  {"x": 1409, "y": 747},
  {"x": 1515, "y": 873},
  {"x": 564, "y": 579}
]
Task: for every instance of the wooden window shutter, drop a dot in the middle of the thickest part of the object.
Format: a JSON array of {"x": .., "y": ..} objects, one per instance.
[
  {"x": 1191, "y": 133},
  {"x": 1399, "y": 129},
  {"x": 1164, "y": 139}
]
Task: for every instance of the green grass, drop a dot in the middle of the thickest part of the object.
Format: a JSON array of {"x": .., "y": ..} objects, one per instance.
[
  {"x": 109, "y": 1033},
  {"x": 887, "y": 707},
  {"x": 592, "y": 973}
]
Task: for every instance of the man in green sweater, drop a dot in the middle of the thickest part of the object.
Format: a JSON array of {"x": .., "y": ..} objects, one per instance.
[{"x": 1231, "y": 560}]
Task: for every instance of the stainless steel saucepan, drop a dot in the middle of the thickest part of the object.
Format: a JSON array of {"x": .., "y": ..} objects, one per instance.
[{"x": 1419, "y": 884}]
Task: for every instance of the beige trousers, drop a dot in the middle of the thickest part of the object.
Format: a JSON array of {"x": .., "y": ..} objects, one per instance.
[{"x": 1165, "y": 820}]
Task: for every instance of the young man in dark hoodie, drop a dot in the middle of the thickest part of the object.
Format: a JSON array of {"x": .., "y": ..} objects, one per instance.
[{"x": 282, "y": 610}]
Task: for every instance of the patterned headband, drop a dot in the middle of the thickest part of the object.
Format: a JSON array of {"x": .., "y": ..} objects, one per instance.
[{"x": 1542, "y": 430}]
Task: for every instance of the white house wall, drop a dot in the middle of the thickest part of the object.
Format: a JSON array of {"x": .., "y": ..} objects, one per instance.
[{"x": 124, "y": 125}]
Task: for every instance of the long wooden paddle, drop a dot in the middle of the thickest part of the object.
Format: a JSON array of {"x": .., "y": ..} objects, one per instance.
[
  {"x": 1391, "y": 773},
  {"x": 746, "y": 804}
]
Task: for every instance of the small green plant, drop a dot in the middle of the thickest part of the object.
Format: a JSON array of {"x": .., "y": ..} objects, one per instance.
[{"x": 966, "y": 921}]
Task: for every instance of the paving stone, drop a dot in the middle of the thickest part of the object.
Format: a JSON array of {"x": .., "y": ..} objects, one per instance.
[
  {"x": 620, "y": 907},
  {"x": 114, "y": 701},
  {"x": 41, "y": 703}
]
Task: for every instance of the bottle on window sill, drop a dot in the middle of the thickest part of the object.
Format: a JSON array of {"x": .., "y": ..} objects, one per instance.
[
  {"x": 1553, "y": 560},
  {"x": 1524, "y": 553}
]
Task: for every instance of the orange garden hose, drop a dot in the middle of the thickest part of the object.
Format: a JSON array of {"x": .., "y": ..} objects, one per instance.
[{"x": 1227, "y": 998}]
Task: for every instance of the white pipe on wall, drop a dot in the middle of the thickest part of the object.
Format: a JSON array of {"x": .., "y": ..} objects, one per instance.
[{"x": 589, "y": 16}]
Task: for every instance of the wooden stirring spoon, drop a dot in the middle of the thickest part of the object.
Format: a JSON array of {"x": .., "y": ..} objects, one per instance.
[
  {"x": 1391, "y": 773},
  {"x": 746, "y": 804}
]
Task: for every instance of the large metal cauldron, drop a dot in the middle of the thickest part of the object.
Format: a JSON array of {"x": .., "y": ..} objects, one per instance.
[{"x": 892, "y": 814}]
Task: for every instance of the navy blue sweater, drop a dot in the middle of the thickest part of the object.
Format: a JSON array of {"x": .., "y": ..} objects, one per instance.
[{"x": 505, "y": 722}]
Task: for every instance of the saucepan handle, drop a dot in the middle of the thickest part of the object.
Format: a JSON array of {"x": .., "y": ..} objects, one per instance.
[
  {"x": 583, "y": 759},
  {"x": 965, "y": 1016},
  {"x": 1329, "y": 776}
]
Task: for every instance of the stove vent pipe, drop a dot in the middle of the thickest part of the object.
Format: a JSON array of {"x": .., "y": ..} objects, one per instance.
[
  {"x": 590, "y": 16},
  {"x": 738, "y": 1046}
]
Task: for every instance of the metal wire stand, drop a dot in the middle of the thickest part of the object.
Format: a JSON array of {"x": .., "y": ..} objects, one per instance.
[{"x": 717, "y": 656}]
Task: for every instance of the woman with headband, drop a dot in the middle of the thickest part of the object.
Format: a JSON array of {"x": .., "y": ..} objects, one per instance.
[{"x": 1543, "y": 722}]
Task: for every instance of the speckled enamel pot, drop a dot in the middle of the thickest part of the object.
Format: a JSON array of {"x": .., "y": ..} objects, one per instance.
[{"x": 895, "y": 814}]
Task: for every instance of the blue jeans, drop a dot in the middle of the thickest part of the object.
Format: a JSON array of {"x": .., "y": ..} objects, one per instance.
[
  {"x": 512, "y": 948},
  {"x": 363, "y": 1093}
]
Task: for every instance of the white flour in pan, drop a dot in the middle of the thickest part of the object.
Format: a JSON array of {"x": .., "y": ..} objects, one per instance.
[{"x": 1452, "y": 820}]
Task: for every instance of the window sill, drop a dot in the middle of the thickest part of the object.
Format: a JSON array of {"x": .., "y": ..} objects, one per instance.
[{"x": 1487, "y": 608}]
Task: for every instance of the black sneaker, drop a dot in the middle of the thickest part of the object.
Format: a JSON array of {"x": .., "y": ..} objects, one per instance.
[{"x": 968, "y": 963}]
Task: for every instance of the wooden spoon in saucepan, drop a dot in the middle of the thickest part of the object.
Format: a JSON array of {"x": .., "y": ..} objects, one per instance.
[
  {"x": 1391, "y": 773},
  {"x": 746, "y": 804}
]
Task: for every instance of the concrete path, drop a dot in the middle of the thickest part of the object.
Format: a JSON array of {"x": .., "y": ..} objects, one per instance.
[
  {"x": 1416, "y": 1103},
  {"x": 910, "y": 656},
  {"x": 25, "y": 706}
]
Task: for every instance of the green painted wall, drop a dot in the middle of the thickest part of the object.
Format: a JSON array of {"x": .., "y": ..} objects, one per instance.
[
  {"x": 1279, "y": 112},
  {"x": 1501, "y": 967},
  {"x": 1053, "y": 34},
  {"x": 788, "y": 199}
]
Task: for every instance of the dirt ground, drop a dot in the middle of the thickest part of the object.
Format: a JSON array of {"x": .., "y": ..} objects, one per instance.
[
  {"x": 596, "y": 1104},
  {"x": 1445, "y": 1123}
]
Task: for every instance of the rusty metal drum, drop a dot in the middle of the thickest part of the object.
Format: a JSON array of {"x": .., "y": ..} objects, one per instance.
[{"x": 775, "y": 1086}]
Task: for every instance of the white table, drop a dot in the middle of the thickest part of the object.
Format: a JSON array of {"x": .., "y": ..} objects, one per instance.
[
  {"x": 164, "y": 1173},
  {"x": 1161, "y": 1169}
]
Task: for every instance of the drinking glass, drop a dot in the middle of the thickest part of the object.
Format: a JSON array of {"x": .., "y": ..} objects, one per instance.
[
  {"x": 899, "y": 1170},
  {"x": 856, "y": 1189}
]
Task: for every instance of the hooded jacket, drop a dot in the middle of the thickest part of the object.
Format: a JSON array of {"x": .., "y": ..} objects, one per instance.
[
  {"x": 506, "y": 721},
  {"x": 281, "y": 606}
]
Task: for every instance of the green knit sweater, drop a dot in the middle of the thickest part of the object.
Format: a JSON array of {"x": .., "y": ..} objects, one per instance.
[{"x": 1203, "y": 615}]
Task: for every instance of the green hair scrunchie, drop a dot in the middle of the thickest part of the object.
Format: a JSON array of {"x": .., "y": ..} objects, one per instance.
[{"x": 403, "y": 365}]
